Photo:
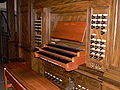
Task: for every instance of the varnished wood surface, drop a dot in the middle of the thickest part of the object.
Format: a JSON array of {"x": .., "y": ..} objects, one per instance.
[
  {"x": 24, "y": 30},
  {"x": 115, "y": 60},
  {"x": 69, "y": 10},
  {"x": 70, "y": 30},
  {"x": 11, "y": 23},
  {"x": 28, "y": 78}
]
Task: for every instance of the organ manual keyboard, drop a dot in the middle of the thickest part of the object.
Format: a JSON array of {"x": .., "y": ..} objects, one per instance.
[
  {"x": 64, "y": 56},
  {"x": 68, "y": 58}
]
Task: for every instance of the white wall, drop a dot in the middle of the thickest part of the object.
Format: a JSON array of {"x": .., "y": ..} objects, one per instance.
[{"x": 3, "y": 5}]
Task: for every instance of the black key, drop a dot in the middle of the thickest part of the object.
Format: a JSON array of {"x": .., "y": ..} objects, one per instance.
[
  {"x": 97, "y": 22},
  {"x": 65, "y": 61},
  {"x": 91, "y": 51},
  {"x": 96, "y": 42},
  {"x": 100, "y": 53},
  {"x": 38, "y": 39},
  {"x": 102, "y": 27},
  {"x": 65, "y": 48},
  {"x": 38, "y": 30},
  {"x": 101, "y": 48},
  {"x": 90, "y": 56},
  {"x": 101, "y": 43},
  {"x": 93, "y": 22},
  {"x": 97, "y": 17},
  {"x": 96, "y": 52},
  {"x": 93, "y": 17},
  {"x": 92, "y": 36},
  {"x": 96, "y": 47},
  {"x": 59, "y": 52},
  {"x": 92, "y": 26},
  {"x": 37, "y": 24},
  {"x": 91, "y": 41},
  {"x": 91, "y": 46},
  {"x": 102, "y": 32},
  {"x": 103, "y": 22},
  {"x": 37, "y": 27},
  {"x": 100, "y": 58},
  {"x": 95, "y": 57},
  {"x": 37, "y": 36},
  {"x": 35, "y": 49},
  {"x": 103, "y": 17},
  {"x": 97, "y": 27}
]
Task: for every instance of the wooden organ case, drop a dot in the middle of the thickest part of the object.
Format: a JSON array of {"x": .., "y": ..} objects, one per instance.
[{"x": 72, "y": 43}]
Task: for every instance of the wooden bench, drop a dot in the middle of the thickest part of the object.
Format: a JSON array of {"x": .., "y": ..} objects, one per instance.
[{"x": 22, "y": 78}]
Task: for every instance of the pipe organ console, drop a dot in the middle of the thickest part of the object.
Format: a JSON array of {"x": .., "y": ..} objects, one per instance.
[
  {"x": 63, "y": 56},
  {"x": 73, "y": 42}
]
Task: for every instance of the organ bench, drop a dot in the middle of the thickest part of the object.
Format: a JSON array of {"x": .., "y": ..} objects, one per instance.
[{"x": 22, "y": 78}]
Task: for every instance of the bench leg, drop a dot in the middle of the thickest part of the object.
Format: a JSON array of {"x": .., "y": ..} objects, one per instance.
[{"x": 6, "y": 81}]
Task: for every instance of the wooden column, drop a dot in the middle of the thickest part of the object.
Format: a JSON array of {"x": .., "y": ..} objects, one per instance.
[
  {"x": 11, "y": 24},
  {"x": 46, "y": 25},
  {"x": 24, "y": 22}
]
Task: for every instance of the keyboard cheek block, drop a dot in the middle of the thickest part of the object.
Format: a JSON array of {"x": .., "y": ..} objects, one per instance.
[{"x": 61, "y": 58}]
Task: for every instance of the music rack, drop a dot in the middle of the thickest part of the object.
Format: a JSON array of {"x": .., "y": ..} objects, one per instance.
[{"x": 65, "y": 57}]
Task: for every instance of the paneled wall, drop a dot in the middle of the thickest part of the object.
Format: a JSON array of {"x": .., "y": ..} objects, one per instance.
[
  {"x": 24, "y": 21},
  {"x": 11, "y": 23},
  {"x": 19, "y": 23},
  {"x": 3, "y": 5}
]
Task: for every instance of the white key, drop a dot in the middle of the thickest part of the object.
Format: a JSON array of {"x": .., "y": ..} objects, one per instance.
[
  {"x": 94, "y": 24},
  {"x": 99, "y": 14},
  {"x": 104, "y": 19},
  {"x": 103, "y": 45},
  {"x": 93, "y": 48},
  {"x": 93, "y": 39},
  {"x": 102, "y": 55},
  {"x": 104, "y": 24},
  {"x": 104, "y": 30},
  {"x": 79, "y": 86},
  {"x": 105, "y": 14},
  {"x": 98, "y": 49},
  {"x": 94, "y": 34},
  {"x": 103, "y": 40},
  {"x": 98, "y": 44},
  {"x": 102, "y": 50},
  {"x": 94, "y": 19},
  {"x": 98, "y": 39},
  {"x": 99, "y": 19},
  {"x": 83, "y": 88},
  {"x": 98, "y": 54},
  {"x": 99, "y": 24},
  {"x": 94, "y": 14},
  {"x": 93, "y": 43},
  {"x": 93, "y": 53}
]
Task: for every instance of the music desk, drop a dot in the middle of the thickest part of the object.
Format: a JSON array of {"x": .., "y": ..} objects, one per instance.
[{"x": 22, "y": 78}]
